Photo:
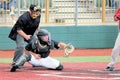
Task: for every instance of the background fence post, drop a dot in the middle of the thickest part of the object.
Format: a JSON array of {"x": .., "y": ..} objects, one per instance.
[
  {"x": 76, "y": 13},
  {"x": 47, "y": 12},
  {"x": 19, "y": 8},
  {"x": 103, "y": 11}
]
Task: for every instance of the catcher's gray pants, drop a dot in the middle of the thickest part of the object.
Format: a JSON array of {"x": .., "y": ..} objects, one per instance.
[
  {"x": 115, "y": 51},
  {"x": 20, "y": 43}
]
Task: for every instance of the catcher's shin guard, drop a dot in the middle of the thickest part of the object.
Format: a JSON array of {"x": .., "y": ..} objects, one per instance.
[{"x": 20, "y": 62}]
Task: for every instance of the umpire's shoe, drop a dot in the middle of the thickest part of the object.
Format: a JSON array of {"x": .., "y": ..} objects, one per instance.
[
  {"x": 109, "y": 68},
  {"x": 13, "y": 69}
]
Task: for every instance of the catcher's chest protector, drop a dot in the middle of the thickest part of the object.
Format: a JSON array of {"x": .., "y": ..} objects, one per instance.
[{"x": 41, "y": 48}]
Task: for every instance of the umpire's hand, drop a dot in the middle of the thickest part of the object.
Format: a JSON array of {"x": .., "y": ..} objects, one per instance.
[{"x": 28, "y": 37}]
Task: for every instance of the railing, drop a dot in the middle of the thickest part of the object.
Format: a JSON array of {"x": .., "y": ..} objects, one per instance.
[{"x": 65, "y": 11}]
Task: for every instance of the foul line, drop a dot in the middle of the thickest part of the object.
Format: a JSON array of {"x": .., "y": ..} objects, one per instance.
[{"x": 57, "y": 74}]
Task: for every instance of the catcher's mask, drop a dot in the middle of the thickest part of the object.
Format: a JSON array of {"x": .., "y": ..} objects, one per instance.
[
  {"x": 35, "y": 11},
  {"x": 44, "y": 37}
]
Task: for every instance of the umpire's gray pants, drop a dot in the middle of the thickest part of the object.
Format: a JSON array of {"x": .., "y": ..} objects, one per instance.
[{"x": 20, "y": 43}]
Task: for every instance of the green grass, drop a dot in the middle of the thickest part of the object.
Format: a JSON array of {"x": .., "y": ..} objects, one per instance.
[
  {"x": 72, "y": 59},
  {"x": 5, "y": 60},
  {"x": 85, "y": 59}
]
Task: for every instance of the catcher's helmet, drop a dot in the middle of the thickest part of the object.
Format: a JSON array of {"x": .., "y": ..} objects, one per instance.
[{"x": 41, "y": 33}]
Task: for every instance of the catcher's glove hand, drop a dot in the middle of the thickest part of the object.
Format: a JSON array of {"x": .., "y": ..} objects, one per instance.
[{"x": 69, "y": 49}]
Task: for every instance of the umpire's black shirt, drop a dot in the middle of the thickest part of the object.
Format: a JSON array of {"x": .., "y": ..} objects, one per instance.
[{"x": 25, "y": 23}]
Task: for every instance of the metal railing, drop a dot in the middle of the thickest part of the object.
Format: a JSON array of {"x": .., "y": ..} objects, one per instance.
[{"x": 63, "y": 11}]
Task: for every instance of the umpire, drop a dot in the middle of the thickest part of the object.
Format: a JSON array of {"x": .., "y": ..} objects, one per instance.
[{"x": 26, "y": 25}]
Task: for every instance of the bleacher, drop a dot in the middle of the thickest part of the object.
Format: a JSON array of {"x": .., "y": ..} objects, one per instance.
[{"x": 64, "y": 11}]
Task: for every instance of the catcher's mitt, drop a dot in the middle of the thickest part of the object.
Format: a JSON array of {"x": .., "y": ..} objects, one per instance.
[{"x": 69, "y": 49}]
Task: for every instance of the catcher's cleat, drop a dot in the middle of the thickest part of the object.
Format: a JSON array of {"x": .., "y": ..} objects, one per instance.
[
  {"x": 35, "y": 66},
  {"x": 13, "y": 69},
  {"x": 109, "y": 68}
]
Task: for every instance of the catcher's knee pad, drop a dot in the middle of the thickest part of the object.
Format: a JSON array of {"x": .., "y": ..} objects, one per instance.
[{"x": 60, "y": 67}]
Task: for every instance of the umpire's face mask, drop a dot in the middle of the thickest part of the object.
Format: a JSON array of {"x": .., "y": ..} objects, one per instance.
[
  {"x": 34, "y": 15},
  {"x": 35, "y": 11}
]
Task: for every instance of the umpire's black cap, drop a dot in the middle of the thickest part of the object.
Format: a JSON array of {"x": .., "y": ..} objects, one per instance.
[{"x": 34, "y": 8}]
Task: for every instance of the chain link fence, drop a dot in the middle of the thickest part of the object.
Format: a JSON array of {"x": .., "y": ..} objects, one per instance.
[{"x": 61, "y": 11}]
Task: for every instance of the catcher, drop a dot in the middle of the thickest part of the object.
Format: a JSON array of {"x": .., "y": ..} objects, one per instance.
[{"x": 38, "y": 50}]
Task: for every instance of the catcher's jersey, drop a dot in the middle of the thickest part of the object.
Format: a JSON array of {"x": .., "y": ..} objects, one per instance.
[
  {"x": 43, "y": 51},
  {"x": 25, "y": 23}
]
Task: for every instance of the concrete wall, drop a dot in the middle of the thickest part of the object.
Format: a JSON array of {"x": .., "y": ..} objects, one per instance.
[{"x": 92, "y": 36}]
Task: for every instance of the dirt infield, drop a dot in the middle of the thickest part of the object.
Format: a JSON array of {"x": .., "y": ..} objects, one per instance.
[
  {"x": 77, "y": 52},
  {"x": 71, "y": 71}
]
